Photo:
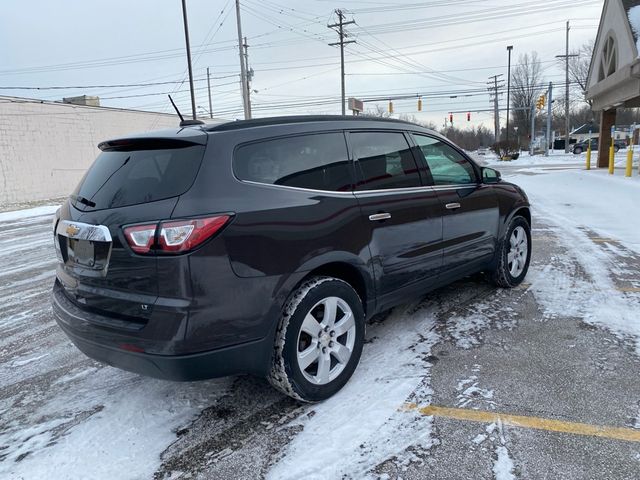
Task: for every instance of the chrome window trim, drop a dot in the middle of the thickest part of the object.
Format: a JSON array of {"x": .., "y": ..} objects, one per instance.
[
  {"x": 423, "y": 188},
  {"x": 302, "y": 189},
  {"x": 457, "y": 186}
]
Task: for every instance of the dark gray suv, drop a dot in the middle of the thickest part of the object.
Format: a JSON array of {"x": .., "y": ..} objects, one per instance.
[{"x": 263, "y": 246}]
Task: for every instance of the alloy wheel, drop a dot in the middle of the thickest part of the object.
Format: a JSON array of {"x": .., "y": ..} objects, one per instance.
[
  {"x": 326, "y": 340},
  {"x": 518, "y": 250}
]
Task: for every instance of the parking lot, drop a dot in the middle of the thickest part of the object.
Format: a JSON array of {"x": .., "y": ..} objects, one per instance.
[{"x": 468, "y": 382}]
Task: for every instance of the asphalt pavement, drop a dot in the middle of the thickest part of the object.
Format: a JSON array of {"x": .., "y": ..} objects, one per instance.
[{"x": 468, "y": 382}]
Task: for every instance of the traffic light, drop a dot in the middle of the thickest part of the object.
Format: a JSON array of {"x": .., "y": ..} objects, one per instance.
[
  {"x": 419, "y": 104},
  {"x": 390, "y": 106},
  {"x": 451, "y": 118},
  {"x": 540, "y": 103},
  {"x": 468, "y": 116}
]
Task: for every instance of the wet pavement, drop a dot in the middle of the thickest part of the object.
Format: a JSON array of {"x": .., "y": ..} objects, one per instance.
[{"x": 530, "y": 351}]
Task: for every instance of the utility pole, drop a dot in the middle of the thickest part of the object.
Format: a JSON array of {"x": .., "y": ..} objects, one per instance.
[
  {"x": 249, "y": 73},
  {"x": 549, "y": 102},
  {"x": 566, "y": 56},
  {"x": 186, "y": 38},
  {"x": 509, "y": 48},
  {"x": 243, "y": 72},
  {"x": 209, "y": 89},
  {"x": 496, "y": 113},
  {"x": 533, "y": 128},
  {"x": 341, "y": 35}
]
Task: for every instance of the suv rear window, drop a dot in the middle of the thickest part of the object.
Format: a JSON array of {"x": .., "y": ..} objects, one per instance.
[
  {"x": 119, "y": 178},
  {"x": 318, "y": 161}
]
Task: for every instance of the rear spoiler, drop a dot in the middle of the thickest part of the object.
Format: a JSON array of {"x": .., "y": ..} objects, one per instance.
[{"x": 145, "y": 143}]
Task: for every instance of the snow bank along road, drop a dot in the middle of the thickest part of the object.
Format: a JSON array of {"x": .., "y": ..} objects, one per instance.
[{"x": 468, "y": 382}]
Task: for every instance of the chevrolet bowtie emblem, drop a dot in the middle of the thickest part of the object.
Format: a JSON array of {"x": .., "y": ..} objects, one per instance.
[{"x": 72, "y": 230}]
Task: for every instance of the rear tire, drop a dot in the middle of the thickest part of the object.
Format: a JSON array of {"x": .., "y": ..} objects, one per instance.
[
  {"x": 319, "y": 340},
  {"x": 577, "y": 150},
  {"x": 514, "y": 255}
]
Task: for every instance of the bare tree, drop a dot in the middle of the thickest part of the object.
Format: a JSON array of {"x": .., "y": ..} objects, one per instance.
[
  {"x": 526, "y": 86},
  {"x": 378, "y": 111},
  {"x": 413, "y": 119},
  {"x": 579, "y": 68},
  {"x": 470, "y": 139}
]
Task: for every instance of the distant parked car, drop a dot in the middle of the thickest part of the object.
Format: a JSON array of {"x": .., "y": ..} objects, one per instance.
[
  {"x": 582, "y": 146},
  {"x": 482, "y": 151}
]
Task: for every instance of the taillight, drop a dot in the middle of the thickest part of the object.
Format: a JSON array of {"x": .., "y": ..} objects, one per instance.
[
  {"x": 173, "y": 236},
  {"x": 141, "y": 237},
  {"x": 187, "y": 234}
]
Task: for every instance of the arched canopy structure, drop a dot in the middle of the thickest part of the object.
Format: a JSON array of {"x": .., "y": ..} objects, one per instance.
[{"x": 614, "y": 74}]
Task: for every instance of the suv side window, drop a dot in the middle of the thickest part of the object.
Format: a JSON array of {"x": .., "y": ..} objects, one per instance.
[
  {"x": 316, "y": 161},
  {"x": 447, "y": 166},
  {"x": 384, "y": 161}
]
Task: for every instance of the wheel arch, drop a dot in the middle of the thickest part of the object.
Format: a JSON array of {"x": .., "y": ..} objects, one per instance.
[{"x": 348, "y": 273}]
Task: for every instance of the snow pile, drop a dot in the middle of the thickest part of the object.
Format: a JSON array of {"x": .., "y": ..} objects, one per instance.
[
  {"x": 634, "y": 20},
  {"x": 31, "y": 212}
]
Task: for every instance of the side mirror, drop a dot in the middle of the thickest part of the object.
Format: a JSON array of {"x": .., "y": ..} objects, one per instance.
[{"x": 489, "y": 175}]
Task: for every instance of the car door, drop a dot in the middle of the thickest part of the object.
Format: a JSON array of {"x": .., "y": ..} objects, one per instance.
[
  {"x": 470, "y": 208},
  {"x": 401, "y": 214}
]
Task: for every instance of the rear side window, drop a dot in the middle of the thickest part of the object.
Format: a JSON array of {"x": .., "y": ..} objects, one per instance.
[
  {"x": 318, "y": 162},
  {"x": 384, "y": 161},
  {"x": 120, "y": 178}
]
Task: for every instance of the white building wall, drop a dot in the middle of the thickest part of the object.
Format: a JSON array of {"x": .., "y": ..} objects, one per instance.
[{"x": 45, "y": 148}]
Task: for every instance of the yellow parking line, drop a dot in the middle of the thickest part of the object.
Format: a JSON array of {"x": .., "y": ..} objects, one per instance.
[
  {"x": 603, "y": 240},
  {"x": 526, "y": 286},
  {"x": 629, "y": 289},
  {"x": 536, "y": 423}
]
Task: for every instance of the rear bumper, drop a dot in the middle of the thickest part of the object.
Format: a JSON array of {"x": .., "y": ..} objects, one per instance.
[{"x": 111, "y": 347}]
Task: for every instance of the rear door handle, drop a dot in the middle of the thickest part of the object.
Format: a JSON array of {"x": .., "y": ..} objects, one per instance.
[
  {"x": 379, "y": 216},
  {"x": 452, "y": 206}
]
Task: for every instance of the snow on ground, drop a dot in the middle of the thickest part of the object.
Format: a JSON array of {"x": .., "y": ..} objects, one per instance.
[
  {"x": 555, "y": 157},
  {"x": 61, "y": 414},
  {"x": 28, "y": 213},
  {"x": 582, "y": 205},
  {"x": 363, "y": 424},
  {"x": 503, "y": 466}
]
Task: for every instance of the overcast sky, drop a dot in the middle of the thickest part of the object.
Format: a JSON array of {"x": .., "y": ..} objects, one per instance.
[{"x": 437, "y": 49}]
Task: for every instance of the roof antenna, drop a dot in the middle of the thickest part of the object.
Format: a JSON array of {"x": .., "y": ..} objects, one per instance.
[{"x": 183, "y": 122}]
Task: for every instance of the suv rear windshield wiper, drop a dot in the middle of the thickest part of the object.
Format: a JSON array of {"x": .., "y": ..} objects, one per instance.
[{"x": 84, "y": 201}]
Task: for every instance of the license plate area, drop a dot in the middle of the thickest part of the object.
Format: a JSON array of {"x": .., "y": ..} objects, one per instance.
[
  {"x": 83, "y": 248},
  {"x": 81, "y": 252}
]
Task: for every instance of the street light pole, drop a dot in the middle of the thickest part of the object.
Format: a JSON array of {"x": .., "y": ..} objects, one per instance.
[{"x": 509, "y": 48}]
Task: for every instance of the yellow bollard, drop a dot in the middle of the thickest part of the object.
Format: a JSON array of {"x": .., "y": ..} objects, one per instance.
[
  {"x": 627, "y": 172},
  {"x": 611, "y": 158},
  {"x": 589, "y": 156}
]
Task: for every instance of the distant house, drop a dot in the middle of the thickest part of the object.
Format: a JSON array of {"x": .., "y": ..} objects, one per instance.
[{"x": 614, "y": 73}]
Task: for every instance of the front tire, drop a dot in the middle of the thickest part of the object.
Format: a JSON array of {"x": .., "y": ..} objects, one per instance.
[
  {"x": 319, "y": 340},
  {"x": 577, "y": 150},
  {"x": 514, "y": 254}
]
